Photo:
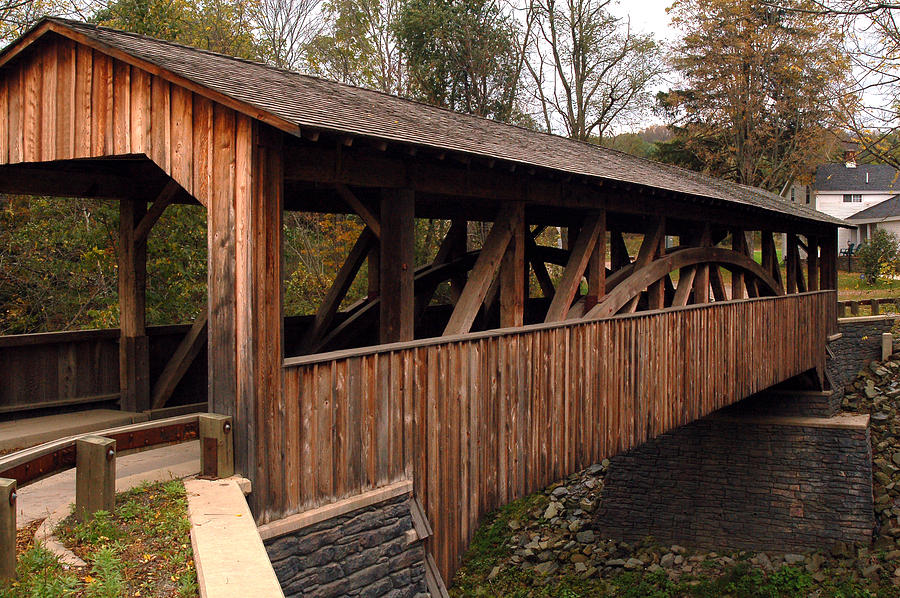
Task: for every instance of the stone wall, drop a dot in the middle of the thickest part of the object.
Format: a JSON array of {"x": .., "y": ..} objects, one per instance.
[
  {"x": 859, "y": 344},
  {"x": 801, "y": 403},
  {"x": 369, "y": 552},
  {"x": 755, "y": 483}
]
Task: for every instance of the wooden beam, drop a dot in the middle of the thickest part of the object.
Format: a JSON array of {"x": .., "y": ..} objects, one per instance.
[
  {"x": 701, "y": 275},
  {"x": 812, "y": 262},
  {"x": 685, "y": 286},
  {"x": 596, "y": 270},
  {"x": 718, "y": 287},
  {"x": 181, "y": 360},
  {"x": 397, "y": 311},
  {"x": 134, "y": 351},
  {"x": 791, "y": 265},
  {"x": 540, "y": 269},
  {"x": 618, "y": 252},
  {"x": 482, "y": 275},
  {"x": 654, "y": 240},
  {"x": 338, "y": 290},
  {"x": 165, "y": 198},
  {"x": 452, "y": 246},
  {"x": 770, "y": 256},
  {"x": 739, "y": 244},
  {"x": 360, "y": 208},
  {"x": 568, "y": 285},
  {"x": 512, "y": 274},
  {"x": 828, "y": 260}
]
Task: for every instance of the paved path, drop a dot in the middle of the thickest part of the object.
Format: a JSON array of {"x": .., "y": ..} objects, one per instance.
[{"x": 42, "y": 498}]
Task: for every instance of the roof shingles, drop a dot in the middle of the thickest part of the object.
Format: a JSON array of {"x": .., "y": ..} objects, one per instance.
[{"x": 310, "y": 102}]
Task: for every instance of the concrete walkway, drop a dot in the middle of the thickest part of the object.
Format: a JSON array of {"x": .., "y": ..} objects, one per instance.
[
  {"x": 42, "y": 498},
  {"x": 29, "y": 431}
]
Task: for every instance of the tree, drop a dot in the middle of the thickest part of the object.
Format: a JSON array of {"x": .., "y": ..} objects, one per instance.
[
  {"x": 359, "y": 46},
  {"x": 590, "y": 70},
  {"x": 878, "y": 257},
  {"x": 463, "y": 55},
  {"x": 285, "y": 29},
  {"x": 764, "y": 90}
]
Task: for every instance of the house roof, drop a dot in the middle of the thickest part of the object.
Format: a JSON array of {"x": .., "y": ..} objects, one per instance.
[
  {"x": 889, "y": 208},
  {"x": 294, "y": 101},
  {"x": 864, "y": 177}
]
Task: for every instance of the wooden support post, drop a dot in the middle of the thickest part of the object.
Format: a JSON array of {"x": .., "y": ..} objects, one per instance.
[
  {"x": 656, "y": 292},
  {"x": 842, "y": 309},
  {"x": 373, "y": 270},
  {"x": 582, "y": 249},
  {"x": 739, "y": 244},
  {"x": 181, "y": 360},
  {"x": 397, "y": 266},
  {"x": 854, "y": 308},
  {"x": 596, "y": 274},
  {"x": 791, "y": 265},
  {"x": 873, "y": 306},
  {"x": 134, "y": 348},
  {"x": 512, "y": 274},
  {"x": 95, "y": 476},
  {"x": 7, "y": 529},
  {"x": 770, "y": 256},
  {"x": 812, "y": 263},
  {"x": 540, "y": 269},
  {"x": 216, "y": 446},
  {"x": 482, "y": 274},
  {"x": 701, "y": 275},
  {"x": 828, "y": 261}
]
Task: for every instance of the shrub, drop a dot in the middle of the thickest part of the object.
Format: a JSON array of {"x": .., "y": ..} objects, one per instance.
[{"x": 878, "y": 257}]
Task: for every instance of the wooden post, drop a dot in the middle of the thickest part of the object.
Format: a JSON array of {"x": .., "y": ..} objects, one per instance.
[
  {"x": 373, "y": 270},
  {"x": 397, "y": 266},
  {"x": 7, "y": 529},
  {"x": 95, "y": 476},
  {"x": 854, "y": 308},
  {"x": 134, "y": 352},
  {"x": 512, "y": 274},
  {"x": 597, "y": 268},
  {"x": 873, "y": 305},
  {"x": 828, "y": 261},
  {"x": 701, "y": 275},
  {"x": 739, "y": 244},
  {"x": 812, "y": 263},
  {"x": 216, "y": 446},
  {"x": 656, "y": 292},
  {"x": 791, "y": 262},
  {"x": 887, "y": 345},
  {"x": 842, "y": 309}
]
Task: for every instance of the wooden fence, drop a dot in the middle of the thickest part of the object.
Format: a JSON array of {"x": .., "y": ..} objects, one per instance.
[
  {"x": 482, "y": 419},
  {"x": 59, "y": 369}
]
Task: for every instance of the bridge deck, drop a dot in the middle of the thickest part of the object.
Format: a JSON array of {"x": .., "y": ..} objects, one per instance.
[{"x": 482, "y": 419}]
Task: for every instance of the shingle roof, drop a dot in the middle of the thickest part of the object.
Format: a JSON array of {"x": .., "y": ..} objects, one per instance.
[
  {"x": 310, "y": 102},
  {"x": 872, "y": 177},
  {"x": 889, "y": 208}
]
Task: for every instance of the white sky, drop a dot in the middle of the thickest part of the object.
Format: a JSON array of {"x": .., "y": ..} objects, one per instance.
[{"x": 648, "y": 16}]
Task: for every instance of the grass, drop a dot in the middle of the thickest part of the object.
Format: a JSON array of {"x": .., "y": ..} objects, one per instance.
[{"x": 142, "y": 550}]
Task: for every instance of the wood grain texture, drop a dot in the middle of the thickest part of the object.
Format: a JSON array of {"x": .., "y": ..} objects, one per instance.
[{"x": 482, "y": 419}]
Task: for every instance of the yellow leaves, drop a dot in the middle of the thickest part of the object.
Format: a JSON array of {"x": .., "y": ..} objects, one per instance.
[{"x": 88, "y": 579}]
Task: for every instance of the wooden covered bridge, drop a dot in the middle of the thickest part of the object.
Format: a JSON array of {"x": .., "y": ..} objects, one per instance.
[{"x": 479, "y": 401}]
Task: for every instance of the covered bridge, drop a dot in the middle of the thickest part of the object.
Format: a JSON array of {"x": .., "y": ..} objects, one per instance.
[{"x": 477, "y": 402}]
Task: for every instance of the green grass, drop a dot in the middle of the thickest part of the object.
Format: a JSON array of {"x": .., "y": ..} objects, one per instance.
[{"x": 143, "y": 549}]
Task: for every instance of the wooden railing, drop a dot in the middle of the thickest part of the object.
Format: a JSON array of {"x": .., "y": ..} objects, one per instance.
[
  {"x": 875, "y": 306},
  {"x": 482, "y": 419},
  {"x": 58, "y": 369}
]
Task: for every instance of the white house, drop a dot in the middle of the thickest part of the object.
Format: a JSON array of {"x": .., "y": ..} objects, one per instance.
[{"x": 848, "y": 189}]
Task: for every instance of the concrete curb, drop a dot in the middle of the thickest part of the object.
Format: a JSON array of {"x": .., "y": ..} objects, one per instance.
[
  {"x": 229, "y": 554},
  {"x": 45, "y": 536}
]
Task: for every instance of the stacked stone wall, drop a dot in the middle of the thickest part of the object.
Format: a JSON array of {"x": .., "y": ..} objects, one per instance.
[
  {"x": 859, "y": 344},
  {"x": 369, "y": 552},
  {"x": 741, "y": 483}
]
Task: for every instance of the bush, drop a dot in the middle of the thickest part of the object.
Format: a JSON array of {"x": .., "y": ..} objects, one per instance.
[{"x": 878, "y": 257}]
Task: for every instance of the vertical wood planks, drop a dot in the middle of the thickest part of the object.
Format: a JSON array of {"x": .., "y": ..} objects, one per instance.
[{"x": 492, "y": 419}]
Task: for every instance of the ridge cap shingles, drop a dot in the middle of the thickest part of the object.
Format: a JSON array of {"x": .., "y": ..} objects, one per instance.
[{"x": 304, "y": 100}]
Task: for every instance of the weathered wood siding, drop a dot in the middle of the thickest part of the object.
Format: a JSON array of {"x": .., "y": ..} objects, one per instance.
[
  {"x": 481, "y": 420},
  {"x": 60, "y": 368}
]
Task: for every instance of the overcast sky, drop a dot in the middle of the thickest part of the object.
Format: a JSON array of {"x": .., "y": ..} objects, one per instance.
[{"x": 647, "y": 16}]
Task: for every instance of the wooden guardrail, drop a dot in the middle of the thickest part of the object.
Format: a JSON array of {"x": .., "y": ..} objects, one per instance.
[
  {"x": 94, "y": 458},
  {"x": 874, "y": 306},
  {"x": 482, "y": 419}
]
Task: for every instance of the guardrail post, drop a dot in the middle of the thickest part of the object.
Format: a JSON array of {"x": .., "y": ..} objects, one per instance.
[
  {"x": 842, "y": 309},
  {"x": 216, "y": 446},
  {"x": 874, "y": 304},
  {"x": 854, "y": 308},
  {"x": 95, "y": 476},
  {"x": 7, "y": 528}
]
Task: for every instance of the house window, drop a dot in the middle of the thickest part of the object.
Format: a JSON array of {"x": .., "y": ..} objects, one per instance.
[
  {"x": 852, "y": 197},
  {"x": 808, "y": 194}
]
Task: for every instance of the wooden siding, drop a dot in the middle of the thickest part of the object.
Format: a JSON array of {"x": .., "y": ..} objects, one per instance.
[
  {"x": 62, "y": 368},
  {"x": 60, "y": 100},
  {"x": 483, "y": 419}
]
